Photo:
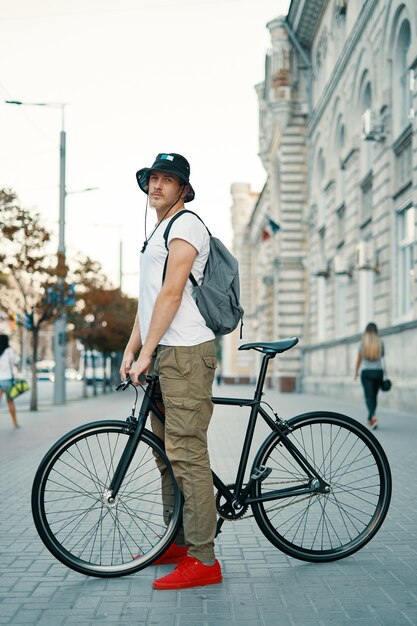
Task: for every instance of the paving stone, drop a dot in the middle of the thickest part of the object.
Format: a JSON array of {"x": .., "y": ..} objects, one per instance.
[
  {"x": 26, "y": 617},
  {"x": 374, "y": 587},
  {"x": 8, "y": 610}
]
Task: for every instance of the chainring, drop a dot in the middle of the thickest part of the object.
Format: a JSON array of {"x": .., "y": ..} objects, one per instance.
[{"x": 226, "y": 510}]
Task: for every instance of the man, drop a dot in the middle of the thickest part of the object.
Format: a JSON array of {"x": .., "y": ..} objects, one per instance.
[{"x": 176, "y": 344}]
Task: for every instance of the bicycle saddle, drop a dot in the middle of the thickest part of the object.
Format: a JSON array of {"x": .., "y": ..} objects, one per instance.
[{"x": 271, "y": 346}]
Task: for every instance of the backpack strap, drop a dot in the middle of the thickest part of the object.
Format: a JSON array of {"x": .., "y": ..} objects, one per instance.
[{"x": 166, "y": 233}]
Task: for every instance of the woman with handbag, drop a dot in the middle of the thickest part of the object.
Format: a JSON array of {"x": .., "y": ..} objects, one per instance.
[
  {"x": 8, "y": 359},
  {"x": 370, "y": 353}
]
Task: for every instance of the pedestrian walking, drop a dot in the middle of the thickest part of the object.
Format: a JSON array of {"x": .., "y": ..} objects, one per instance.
[
  {"x": 8, "y": 360},
  {"x": 369, "y": 363},
  {"x": 176, "y": 344}
]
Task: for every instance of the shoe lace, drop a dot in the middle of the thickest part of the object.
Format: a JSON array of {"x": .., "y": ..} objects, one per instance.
[{"x": 186, "y": 563}]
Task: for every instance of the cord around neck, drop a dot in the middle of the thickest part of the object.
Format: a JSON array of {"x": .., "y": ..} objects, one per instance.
[{"x": 147, "y": 239}]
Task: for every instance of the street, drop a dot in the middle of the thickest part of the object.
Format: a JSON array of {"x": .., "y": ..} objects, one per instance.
[
  {"x": 377, "y": 585},
  {"x": 74, "y": 390}
]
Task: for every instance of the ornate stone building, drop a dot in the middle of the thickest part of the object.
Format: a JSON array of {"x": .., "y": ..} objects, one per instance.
[{"x": 338, "y": 140}]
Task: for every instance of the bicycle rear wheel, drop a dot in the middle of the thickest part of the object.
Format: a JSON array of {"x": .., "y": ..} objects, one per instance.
[
  {"x": 324, "y": 526},
  {"x": 74, "y": 518}
]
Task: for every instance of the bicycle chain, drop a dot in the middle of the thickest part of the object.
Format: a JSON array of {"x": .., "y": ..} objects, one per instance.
[{"x": 283, "y": 506}]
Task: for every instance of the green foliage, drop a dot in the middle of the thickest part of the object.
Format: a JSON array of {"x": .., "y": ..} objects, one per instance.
[
  {"x": 28, "y": 274},
  {"x": 35, "y": 287}
]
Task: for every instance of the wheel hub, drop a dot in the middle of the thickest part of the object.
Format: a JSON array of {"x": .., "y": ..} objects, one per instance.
[{"x": 108, "y": 499}]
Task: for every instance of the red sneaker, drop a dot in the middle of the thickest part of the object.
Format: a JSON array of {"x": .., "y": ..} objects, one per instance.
[
  {"x": 174, "y": 554},
  {"x": 190, "y": 573}
]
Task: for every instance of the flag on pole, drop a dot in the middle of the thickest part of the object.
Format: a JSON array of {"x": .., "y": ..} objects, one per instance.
[
  {"x": 273, "y": 225},
  {"x": 270, "y": 229}
]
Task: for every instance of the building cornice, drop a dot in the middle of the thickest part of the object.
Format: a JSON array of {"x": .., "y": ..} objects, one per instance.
[
  {"x": 342, "y": 62},
  {"x": 304, "y": 17},
  {"x": 384, "y": 332}
]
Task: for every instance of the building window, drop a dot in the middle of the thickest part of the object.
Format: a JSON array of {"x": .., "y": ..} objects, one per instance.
[
  {"x": 321, "y": 308},
  {"x": 321, "y": 170},
  {"x": 406, "y": 238},
  {"x": 366, "y": 297},
  {"x": 401, "y": 80},
  {"x": 403, "y": 159},
  {"x": 321, "y": 286},
  {"x": 366, "y": 189},
  {"x": 340, "y": 225},
  {"x": 366, "y": 105},
  {"x": 340, "y": 177}
]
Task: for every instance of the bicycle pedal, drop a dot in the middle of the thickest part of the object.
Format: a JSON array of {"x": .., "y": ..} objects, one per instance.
[{"x": 260, "y": 473}]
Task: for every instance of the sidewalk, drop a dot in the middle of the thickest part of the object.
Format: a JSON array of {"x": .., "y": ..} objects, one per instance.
[{"x": 377, "y": 585}]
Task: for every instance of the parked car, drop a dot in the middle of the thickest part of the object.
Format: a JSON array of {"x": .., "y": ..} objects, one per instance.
[
  {"x": 45, "y": 369},
  {"x": 98, "y": 374},
  {"x": 70, "y": 374}
]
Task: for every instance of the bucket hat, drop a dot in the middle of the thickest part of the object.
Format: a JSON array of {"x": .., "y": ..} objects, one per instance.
[{"x": 167, "y": 162}]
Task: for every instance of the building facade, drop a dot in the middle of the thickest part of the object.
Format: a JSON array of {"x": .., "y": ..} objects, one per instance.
[{"x": 338, "y": 140}]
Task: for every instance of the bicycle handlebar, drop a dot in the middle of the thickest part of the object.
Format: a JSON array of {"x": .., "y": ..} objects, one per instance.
[{"x": 125, "y": 383}]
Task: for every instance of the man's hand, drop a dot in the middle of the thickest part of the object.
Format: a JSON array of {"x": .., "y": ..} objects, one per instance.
[
  {"x": 128, "y": 359},
  {"x": 141, "y": 367}
]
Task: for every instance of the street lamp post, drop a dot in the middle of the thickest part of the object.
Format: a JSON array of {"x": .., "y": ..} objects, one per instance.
[
  {"x": 60, "y": 335},
  {"x": 60, "y": 338}
]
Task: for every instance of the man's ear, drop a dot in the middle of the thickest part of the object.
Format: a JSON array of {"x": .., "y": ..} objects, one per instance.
[{"x": 185, "y": 191}]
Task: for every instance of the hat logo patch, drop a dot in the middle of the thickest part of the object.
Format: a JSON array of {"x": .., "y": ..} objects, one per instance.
[{"x": 167, "y": 157}]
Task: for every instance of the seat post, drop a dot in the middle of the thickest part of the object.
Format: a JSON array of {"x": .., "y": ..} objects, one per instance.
[{"x": 262, "y": 374}]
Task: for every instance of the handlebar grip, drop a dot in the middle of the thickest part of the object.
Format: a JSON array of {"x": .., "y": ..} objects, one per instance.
[{"x": 142, "y": 379}]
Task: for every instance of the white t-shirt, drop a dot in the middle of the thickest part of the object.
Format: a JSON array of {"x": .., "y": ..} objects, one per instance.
[
  {"x": 7, "y": 360},
  {"x": 188, "y": 327}
]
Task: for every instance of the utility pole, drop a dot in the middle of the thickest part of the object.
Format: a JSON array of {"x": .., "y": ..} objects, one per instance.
[
  {"x": 60, "y": 324},
  {"x": 60, "y": 338},
  {"x": 60, "y": 333}
]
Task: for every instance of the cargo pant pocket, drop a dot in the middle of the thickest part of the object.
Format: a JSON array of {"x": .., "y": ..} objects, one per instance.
[{"x": 185, "y": 417}]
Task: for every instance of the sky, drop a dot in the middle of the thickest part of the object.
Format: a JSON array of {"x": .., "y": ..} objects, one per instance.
[{"x": 139, "y": 77}]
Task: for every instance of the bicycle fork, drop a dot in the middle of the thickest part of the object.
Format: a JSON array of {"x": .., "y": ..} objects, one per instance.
[{"x": 135, "y": 427}]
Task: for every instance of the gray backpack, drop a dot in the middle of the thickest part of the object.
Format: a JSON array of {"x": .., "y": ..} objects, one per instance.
[{"x": 217, "y": 297}]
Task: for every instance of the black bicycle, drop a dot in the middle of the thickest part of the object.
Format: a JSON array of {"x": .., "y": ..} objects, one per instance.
[{"x": 105, "y": 501}]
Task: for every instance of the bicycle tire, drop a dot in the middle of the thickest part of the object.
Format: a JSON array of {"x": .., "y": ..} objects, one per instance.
[
  {"x": 74, "y": 519},
  {"x": 324, "y": 527}
]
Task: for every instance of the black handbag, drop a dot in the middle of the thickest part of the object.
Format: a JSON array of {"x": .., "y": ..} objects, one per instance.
[{"x": 386, "y": 383}]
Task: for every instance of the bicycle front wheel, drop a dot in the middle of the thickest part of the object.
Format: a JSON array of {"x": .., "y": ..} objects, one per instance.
[
  {"x": 324, "y": 526},
  {"x": 71, "y": 508}
]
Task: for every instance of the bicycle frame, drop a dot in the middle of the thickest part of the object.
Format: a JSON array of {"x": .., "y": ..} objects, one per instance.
[{"x": 239, "y": 496}]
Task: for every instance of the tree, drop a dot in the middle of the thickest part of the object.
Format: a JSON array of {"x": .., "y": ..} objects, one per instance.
[
  {"x": 33, "y": 287},
  {"x": 103, "y": 316}
]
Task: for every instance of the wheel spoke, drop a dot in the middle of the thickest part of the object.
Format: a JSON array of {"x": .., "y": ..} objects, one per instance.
[
  {"x": 324, "y": 526},
  {"x": 75, "y": 517}
]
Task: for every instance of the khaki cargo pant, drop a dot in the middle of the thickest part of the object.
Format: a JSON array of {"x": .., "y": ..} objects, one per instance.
[{"x": 186, "y": 376}]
